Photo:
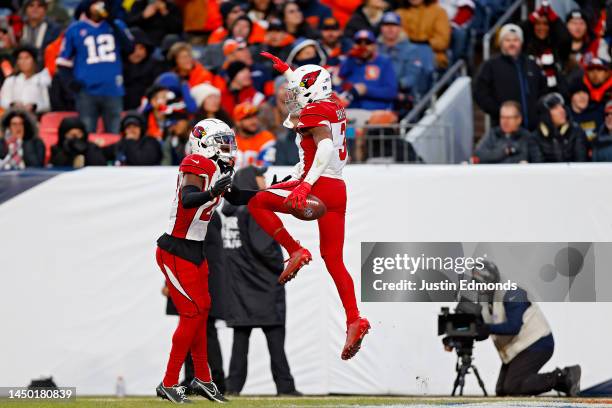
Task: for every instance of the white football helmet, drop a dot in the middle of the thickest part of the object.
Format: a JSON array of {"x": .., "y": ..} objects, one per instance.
[
  {"x": 307, "y": 84},
  {"x": 213, "y": 137}
]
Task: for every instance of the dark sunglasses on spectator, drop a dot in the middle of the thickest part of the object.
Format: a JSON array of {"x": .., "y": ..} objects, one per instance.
[{"x": 364, "y": 42}]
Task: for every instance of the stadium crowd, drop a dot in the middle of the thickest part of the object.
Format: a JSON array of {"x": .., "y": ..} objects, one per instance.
[{"x": 109, "y": 82}]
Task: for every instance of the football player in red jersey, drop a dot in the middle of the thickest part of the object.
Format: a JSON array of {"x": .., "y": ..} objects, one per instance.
[
  {"x": 204, "y": 178},
  {"x": 320, "y": 121}
]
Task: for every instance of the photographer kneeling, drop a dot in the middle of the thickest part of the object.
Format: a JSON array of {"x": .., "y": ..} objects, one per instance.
[{"x": 523, "y": 340}]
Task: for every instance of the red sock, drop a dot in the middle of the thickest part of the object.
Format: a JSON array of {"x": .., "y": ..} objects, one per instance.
[
  {"x": 181, "y": 343},
  {"x": 262, "y": 208},
  {"x": 199, "y": 352},
  {"x": 344, "y": 285}
]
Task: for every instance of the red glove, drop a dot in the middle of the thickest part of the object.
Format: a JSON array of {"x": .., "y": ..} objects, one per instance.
[
  {"x": 278, "y": 64},
  {"x": 285, "y": 184},
  {"x": 297, "y": 198}
]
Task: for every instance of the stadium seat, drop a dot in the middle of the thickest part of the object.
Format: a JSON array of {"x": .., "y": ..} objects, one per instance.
[
  {"x": 49, "y": 125},
  {"x": 104, "y": 139}
]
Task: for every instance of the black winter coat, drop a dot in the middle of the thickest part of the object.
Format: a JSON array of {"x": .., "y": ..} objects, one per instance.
[
  {"x": 145, "y": 151},
  {"x": 496, "y": 147},
  {"x": 567, "y": 144},
  {"x": 137, "y": 78},
  {"x": 502, "y": 79},
  {"x": 157, "y": 26},
  {"x": 33, "y": 151},
  {"x": 254, "y": 262}
]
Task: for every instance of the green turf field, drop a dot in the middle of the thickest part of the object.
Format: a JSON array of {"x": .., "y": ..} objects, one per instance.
[{"x": 336, "y": 401}]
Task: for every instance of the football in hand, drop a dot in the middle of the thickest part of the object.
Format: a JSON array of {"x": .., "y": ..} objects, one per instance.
[{"x": 313, "y": 210}]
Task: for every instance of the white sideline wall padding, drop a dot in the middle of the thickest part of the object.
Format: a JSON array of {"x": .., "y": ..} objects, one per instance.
[{"x": 81, "y": 293}]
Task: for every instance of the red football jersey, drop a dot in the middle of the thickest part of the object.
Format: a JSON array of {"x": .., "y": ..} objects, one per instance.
[
  {"x": 191, "y": 223},
  {"x": 329, "y": 113}
]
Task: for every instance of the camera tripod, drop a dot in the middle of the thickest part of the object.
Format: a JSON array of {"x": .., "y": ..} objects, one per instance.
[{"x": 464, "y": 363}]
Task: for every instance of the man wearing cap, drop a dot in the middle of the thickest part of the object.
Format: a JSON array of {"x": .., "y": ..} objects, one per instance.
[
  {"x": 135, "y": 148},
  {"x": 38, "y": 31},
  {"x": 277, "y": 41},
  {"x": 414, "y": 66},
  {"x": 237, "y": 50},
  {"x": 239, "y": 87},
  {"x": 558, "y": 138},
  {"x": 598, "y": 80},
  {"x": 510, "y": 76},
  {"x": 333, "y": 42},
  {"x": 255, "y": 146},
  {"x": 368, "y": 78},
  {"x": 232, "y": 11},
  {"x": 602, "y": 143},
  {"x": 586, "y": 113}
]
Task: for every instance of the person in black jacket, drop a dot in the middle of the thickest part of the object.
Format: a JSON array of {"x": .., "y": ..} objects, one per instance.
[
  {"x": 20, "y": 146},
  {"x": 558, "y": 138},
  {"x": 508, "y": 142},
  {"x": 510, "y": 76},
  {"x": 135, "y": 148},
  {"x": 73, "y": 149},
  {"x": 156, "y": 18},
  {"x": 366, "y": 17},
  {"x": 139, "y": 70},
  {"x": 254, "y": 262}
]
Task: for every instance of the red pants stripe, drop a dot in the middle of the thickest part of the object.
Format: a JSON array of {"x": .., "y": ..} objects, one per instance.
[
  {"x": 331, "y": 233},
  {"x": 188, "y": 287}
]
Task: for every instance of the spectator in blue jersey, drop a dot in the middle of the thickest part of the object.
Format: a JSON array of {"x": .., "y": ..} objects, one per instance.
[
  {"x": 38, "y": 31},
  {"x": 92, "y": 49},
  {"x": 369, "y": 80},
  {"x": 414, "y": 66}
]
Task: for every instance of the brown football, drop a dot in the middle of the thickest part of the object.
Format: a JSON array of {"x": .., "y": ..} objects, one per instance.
[{"x": 314, "y": 209}]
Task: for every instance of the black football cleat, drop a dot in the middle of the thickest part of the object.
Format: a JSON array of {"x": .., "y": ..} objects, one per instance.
[
  {"x": 174, "y": 394},
  {"x": 207, "y": 390}
]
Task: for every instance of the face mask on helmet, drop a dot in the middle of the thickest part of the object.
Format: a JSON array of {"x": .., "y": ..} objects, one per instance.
[
  {"x": 292, "y": 103},
  {"x": 221, "y": 144}
]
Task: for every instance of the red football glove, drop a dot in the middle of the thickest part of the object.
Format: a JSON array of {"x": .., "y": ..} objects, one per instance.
[
  {"x": 278, "y": 64},
  {"x": 284, "y": 184},
  {"x": 297, "y": 198}
]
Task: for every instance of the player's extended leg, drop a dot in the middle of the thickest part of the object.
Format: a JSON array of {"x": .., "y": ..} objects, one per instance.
[
  {"x": 263, "y": 207},
  {"x": 331, "y": 236},
  {"x": 192, "y": 301}
]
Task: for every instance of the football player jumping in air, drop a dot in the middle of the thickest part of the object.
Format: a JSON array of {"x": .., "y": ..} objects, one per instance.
[
  {"x": 204, "y": 177},
  {"x": 320, "y": 121}
]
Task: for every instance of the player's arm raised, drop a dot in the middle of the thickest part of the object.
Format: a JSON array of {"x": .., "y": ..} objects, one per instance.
[
  {"x": 325, "y": 149},
  {"x": 192, "y": 195}
]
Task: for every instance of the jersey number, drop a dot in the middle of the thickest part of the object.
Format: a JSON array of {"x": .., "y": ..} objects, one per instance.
[
  {"x": 207, "y": 213},
  {"x": 344, "y": 151},
  {"x": 100, "y": 48}
]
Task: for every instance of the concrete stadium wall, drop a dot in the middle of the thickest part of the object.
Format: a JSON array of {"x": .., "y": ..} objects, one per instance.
[{"x": 81, "y": 291}]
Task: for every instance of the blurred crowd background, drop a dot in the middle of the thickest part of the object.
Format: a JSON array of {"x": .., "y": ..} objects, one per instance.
[{"x": 120, "y": 82}]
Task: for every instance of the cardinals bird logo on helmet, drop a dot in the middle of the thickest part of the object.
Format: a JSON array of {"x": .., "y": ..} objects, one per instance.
[{"x": 309, "y": 79}]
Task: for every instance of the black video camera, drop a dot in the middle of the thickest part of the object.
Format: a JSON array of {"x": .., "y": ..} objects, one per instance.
[{"x": 463, "y": 326}]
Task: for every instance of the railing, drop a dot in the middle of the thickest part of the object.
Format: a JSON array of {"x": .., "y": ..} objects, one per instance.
[
  {"x": 385, "y": 144},
  {"x": 429, "y": 99}
]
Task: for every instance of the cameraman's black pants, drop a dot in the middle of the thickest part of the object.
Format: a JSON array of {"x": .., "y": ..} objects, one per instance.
[{"x": 520, "y": 376}]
